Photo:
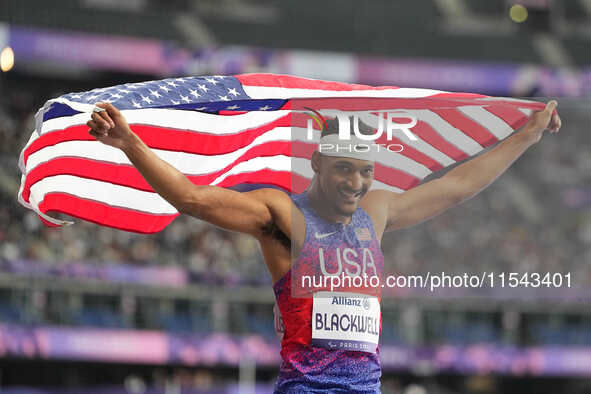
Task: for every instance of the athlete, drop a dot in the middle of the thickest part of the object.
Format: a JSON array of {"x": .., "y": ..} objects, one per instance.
[{"x": 336, "y": 226}]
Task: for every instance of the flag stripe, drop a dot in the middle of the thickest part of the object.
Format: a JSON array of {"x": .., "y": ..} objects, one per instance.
[
  {"x": 448, "y": 132},
  {"x": 425, "y": 132},
  {"x": 259, "y": 92},
  {"x": 178, "y": 120},
  {"x": 292, "y": 82},
  {"x": 491, "y": 122},
  {"x": 413, "y": 153},
  {"x": 103, "y": 214},
  {"x": 105, "y": 192},
  {"x": 467, "y": 125},
  {"x": 125, "y": 174},
  {"x": 188, "y": 163},
  {"x": 512, "y": 116},
  {"x": 142, "y": 222},
  {"x": 166, "y": 139},
  {"x": 127, "y": 198}
]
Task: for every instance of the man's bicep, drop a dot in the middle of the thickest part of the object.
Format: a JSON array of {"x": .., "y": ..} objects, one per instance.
[
  {"x": 246, "y": 212},
  {"x": 422, "y": 203}
]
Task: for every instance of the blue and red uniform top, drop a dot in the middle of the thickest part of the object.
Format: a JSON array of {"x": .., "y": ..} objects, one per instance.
[{"x": 328, "y": 249}]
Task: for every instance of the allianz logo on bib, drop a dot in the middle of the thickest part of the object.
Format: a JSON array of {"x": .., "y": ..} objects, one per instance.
[{"x": 341, "y": 300}]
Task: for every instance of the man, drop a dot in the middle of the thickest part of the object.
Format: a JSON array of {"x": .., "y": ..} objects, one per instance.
[{"x": 337, "y": 214}]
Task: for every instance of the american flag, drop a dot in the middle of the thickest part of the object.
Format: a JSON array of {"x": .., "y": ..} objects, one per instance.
[
  {"x": 235, "y": 131},
  {"x": 363, "y": 234}
]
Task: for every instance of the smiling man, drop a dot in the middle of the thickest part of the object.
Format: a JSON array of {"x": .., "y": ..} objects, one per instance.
[{"x": 330, "y": 339}]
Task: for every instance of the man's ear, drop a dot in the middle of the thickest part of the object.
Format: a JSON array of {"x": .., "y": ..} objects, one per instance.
[{"x": 316, "y": 161}]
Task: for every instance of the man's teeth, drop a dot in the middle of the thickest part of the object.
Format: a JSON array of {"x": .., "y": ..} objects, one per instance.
[{"x": 351, "y": 194}]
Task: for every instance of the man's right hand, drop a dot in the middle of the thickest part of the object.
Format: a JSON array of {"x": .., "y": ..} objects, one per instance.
[{"x": 110, "y": 127}]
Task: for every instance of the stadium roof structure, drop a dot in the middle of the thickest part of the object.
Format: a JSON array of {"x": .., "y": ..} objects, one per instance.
[{"x": 557, "y": 33}]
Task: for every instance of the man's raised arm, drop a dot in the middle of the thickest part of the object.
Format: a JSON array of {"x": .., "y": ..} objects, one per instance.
[
  {"x": 466, "y": 180},
  {"x": 243, "y": 212}
]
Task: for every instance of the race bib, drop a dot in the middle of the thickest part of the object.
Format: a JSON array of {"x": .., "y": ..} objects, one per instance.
[{"x": 346, "y": 321}]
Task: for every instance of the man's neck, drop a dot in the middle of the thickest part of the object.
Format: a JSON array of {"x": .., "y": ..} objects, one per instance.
[{"x": 323, "y": 209}]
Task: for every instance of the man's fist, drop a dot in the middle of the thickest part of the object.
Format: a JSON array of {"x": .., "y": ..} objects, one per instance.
[
  {"x": 109, "y": 126},
  {"x": 546, "y": 119}
]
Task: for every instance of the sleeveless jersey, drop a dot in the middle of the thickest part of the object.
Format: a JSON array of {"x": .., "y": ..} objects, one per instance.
[{"x": 328, "y": 248}]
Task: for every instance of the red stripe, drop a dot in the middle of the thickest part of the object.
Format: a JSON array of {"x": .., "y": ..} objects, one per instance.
[
  {"x": 127, "y": 175},
  {"x": 468, "y": 126},
  {"x": 299, "y": 183},
  {"x": 78, "y": 133},
  {"x": 103, "y": 214},
  {"x": 511, "y": 115},
  {"x": 47, "y": 222},
  {"x": 264, "y": 176},
  {"x": 142, "y": 222},
  {"x": 201, "y": 143},
  {"x": 533, "y": 105},
  {"x": 412, "y": 153},
  {"x": 303, "y": 149},
  {"x": 461, "y": 95},
  {"x": 381, "y": 104},
  {"x": 166, "y": 139},
  {"x": 291, "y": 82},
  {"x": 409, "y": 151},
  {"x": 395, "y": 177},
  {"x": 429, "y": 135}
]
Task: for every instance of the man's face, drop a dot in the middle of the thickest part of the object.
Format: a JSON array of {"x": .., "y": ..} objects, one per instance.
[{"x": 343, "y": 181}]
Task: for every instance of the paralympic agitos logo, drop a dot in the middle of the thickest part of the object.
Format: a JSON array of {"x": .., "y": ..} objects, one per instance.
[{"x": 388, "y": 123}]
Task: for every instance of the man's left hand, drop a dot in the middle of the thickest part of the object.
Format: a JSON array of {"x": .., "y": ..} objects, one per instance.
[{"x": 546, "y": 119}]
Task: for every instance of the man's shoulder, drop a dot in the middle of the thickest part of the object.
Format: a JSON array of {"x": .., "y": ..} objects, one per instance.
[
  {"x": 376, "y": 204},
  {"x": 279, "y": 203},
  {"x": 376, "y": 197}
]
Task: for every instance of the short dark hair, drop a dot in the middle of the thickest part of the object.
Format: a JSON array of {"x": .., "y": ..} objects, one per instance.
[{"x": 332, "y": 127}]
